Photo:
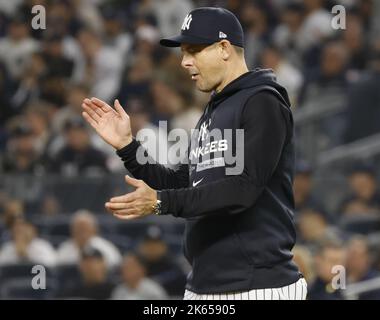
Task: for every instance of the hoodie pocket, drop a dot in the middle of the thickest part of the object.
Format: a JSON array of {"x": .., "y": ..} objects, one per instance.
[{"x": 242, "y": 249}]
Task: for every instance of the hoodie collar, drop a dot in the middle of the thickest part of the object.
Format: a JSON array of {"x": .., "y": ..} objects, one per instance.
[{"x": 250, "y": 79}]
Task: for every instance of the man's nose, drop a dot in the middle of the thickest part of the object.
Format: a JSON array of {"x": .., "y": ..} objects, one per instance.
[{"x": 187, "y": 61}]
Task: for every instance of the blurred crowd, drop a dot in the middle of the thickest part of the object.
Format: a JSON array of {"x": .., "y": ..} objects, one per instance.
[{"x": 109, "y": 49}]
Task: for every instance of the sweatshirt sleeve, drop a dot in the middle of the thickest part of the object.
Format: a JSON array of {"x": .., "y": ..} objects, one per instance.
[
  {"x": 154, "y": 174},
  {"x": 266, "y": 123}
]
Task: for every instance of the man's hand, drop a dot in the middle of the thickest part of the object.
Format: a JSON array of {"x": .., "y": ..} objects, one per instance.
[
  {"x": 113, "y": 125},
  {"x": 136, "y": 204}
]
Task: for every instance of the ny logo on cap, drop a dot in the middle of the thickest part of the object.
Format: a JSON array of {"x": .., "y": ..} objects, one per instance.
[{"x": 186, "y": 22}]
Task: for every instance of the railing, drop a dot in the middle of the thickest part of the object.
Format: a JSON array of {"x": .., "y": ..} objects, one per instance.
[
  {"x": 363, "y": 148},
  {"x": 312, "y": 144},
  {"x": 353, "y": 291},
  {"x": 69, "y": 193},
  {"x": 311, "y": 138}
]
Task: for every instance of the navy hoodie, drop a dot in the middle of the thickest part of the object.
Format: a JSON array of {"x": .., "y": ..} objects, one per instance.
[{"x": 235, "y": 192}]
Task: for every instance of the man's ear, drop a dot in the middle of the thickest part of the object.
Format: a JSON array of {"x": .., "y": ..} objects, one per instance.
[{"x": 226, "y": 49}]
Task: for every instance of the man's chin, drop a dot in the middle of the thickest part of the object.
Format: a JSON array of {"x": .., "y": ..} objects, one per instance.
[{"x": 203, "y": 89}]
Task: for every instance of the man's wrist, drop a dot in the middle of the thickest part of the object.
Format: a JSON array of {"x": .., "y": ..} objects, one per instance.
[
  {"x": 124, "y": 143},
  {"x": 129, "y": 151}
]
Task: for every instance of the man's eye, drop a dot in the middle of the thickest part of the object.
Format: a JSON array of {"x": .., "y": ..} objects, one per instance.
[{"x": 193, "y": 51}]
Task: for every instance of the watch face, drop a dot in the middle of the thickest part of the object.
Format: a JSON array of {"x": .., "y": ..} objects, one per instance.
[{"x": 157, "y": 207}]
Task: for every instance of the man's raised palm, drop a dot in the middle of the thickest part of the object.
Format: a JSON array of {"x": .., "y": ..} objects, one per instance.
[{"x": 113, "y": 125}]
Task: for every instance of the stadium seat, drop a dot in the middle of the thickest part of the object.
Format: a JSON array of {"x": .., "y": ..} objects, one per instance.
[
  {"x": 21, "y": 288},
  {"x": 361, "y": 224},
  {"x": 132, "y": 229},
  {"x": 67, "y": 276},
  {"x": 124, "y": 243},
  {"x": 13, "y": 271}
]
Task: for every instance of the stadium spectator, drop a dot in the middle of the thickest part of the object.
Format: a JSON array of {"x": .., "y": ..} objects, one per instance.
[
  {"x": 330, "y": 78},
  {"x": 327, "y": 85},
  {"x": 303, "y": 258},
  {"x": 94, "y": 277},
  {"x": 78, "y": 156},
  {"x": 37, "y": 115},
  {"x": 16, "y": 48},
  {"x": 312, "y": 226},
  {"x": 135, "y": 285},
  {"x": 147, "y": 37},
  {"x": 138, "y": 78},
  {"x": 364, "y": 197},
  {"x": 169, "y": 13},
  {"x": 287, "y": 75},
  {"x": 30, "y": 86},
  {"x": 355, "y": 42},
  {"x": 25, "y": 246},
  {"x": 104, "y": 65},
  {"x": 72, "y": 108},
  {"x": 359, "y": 264},
  {"x": 303, "y": 188},
  {"x": 115, "y": 35},
  {"x": 11, "y": 210},
  {"x": 21, "y": 155},
  {"x": 84, "y": 232},
  {"x": 161, "y": 265},
  {"x": 330, "y": 252},
  {"x": 316, "y": 26},
  {"x": 364, "y": 102},
  {"x": 58, "y": 65},
  {"x": 287, "y": 35},
  {"x": 257, "y": 34}
]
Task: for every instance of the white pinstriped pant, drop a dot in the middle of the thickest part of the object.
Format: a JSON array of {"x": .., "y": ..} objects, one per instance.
[{"x": 294, "y": 291}]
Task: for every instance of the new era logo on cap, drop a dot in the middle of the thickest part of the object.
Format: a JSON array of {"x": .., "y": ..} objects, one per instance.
[{"x": 222, "y": 35}]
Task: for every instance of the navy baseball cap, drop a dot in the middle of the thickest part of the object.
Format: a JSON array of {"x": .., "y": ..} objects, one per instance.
[{"x": 208, "y": 25}]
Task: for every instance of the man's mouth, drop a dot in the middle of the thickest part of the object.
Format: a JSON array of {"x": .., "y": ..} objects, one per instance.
[{"x": 194, "y": 76}]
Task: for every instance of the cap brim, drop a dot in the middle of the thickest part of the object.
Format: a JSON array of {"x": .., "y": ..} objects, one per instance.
[{"x": 176, "y": 41}]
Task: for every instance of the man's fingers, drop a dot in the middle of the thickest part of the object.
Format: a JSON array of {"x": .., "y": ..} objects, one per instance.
[
  {"x": 100, "y": 111},
  {"x": 97, "y": 103},
  {"x": 128, "y": 217},
  {"x": 100, "y": 104},
  {"x": 124, "y": 212},
  {"x": 120, "y": 109},
  {"x": 90, "y": 120},
  {"x": 132, "y": 181},
  {"x": 118, "y": 205},
  {"x": 125, "y": 198},
  {"x": 107, "y": 108},
  {"x": 94, "y": 115}
]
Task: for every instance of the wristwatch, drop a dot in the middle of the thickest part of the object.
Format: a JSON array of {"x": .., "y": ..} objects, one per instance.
[{"x": 157, "y": 206}]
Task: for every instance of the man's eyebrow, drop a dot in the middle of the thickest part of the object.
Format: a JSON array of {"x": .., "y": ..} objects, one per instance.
[
  {"x": 194, "y": 48},
  {"x": 185, "y": 48}
]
